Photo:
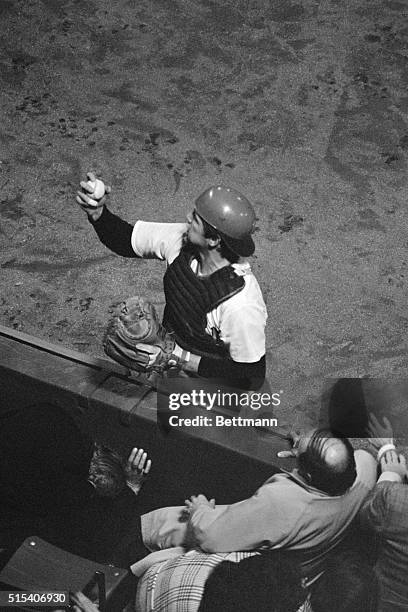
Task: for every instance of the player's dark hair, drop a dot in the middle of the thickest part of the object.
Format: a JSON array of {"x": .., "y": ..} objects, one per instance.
[
  {"x": 268, "y": 582},
  {"x": 333, "y": 478}
]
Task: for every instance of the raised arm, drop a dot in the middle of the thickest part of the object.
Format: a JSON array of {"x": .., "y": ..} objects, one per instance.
[
  {"x": 393, "y": 472},
  {"x": 137, "y": 469},
  {"x": 113, "y": 232},
  {"x": 386, "y": 495}
]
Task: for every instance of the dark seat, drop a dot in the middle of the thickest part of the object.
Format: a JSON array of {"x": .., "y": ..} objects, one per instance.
[{"x": 40, "y": 566}]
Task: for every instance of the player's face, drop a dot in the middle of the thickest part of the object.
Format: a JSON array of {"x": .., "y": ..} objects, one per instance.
[{"x": 195, "y": 232}]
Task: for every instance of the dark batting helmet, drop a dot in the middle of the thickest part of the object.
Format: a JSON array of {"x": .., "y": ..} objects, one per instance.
[{"x": 231, "y": 214}]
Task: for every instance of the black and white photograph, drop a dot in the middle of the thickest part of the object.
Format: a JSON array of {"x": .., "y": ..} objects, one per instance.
[{"x": 203, "y": 306}]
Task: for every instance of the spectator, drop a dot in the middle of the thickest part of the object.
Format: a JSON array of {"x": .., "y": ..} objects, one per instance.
[
  {"x": 56, "y": 484},
  {"x": 193, "y": 581},
  {"x": 349, "y": 584},
  {"x": 308, "y": 510},
  {"x": 385, "y": 512},
  {"x": 265, "y": 583}
]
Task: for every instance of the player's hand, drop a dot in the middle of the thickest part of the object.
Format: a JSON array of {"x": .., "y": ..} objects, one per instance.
[
  {"x": 379, "y": 434},
  {"x": 393, "y": 462},
  {"x": 92, "y": 207},
  {"x": 137, "y": 468}
]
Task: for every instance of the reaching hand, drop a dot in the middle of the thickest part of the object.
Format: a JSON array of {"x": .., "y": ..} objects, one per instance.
[
  {"x": 91, "y": 206},
  {"x": 392, "y": 462},
  {"x": 197, "y": 501},
  {"x": 293, "y": 437},
  {"x": 379, "y": 434},
  {"x": 137, "y": 468}
]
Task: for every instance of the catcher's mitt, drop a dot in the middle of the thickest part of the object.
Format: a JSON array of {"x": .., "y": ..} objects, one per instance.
[{"x": 134, "y": 324}]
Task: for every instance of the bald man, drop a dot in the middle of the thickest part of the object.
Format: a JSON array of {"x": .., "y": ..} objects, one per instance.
[{"x": 308, "y": 510}]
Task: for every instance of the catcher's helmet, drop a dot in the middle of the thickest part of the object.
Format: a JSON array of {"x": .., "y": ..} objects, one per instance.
[{"x": 229, "y": 212}]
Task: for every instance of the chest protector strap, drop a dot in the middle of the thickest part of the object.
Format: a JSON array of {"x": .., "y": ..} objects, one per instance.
[{"x": 188, "y": 300}]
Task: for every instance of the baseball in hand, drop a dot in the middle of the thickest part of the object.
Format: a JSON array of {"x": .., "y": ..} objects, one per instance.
[{"x": 98, "y": 189}]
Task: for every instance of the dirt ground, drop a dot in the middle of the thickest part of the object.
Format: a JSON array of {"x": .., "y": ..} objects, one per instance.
[{"x": 300, "y": 104}]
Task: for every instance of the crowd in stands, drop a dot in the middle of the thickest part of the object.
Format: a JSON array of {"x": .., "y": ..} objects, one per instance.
[{"x": 332, "y": 535}]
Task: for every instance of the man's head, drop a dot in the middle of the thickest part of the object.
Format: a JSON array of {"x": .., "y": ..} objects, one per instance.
[
  {"x": 223, "y": 218},
  {"x": 326, "y": 462},
  {"x": 106, "y": 472},
  {"x": 265, "y": 583}
]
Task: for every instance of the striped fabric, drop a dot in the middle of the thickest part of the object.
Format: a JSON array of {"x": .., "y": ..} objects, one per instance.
[{"x": 177, "y": 585}]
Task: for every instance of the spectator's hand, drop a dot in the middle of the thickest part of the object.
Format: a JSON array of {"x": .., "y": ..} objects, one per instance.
[
  {"x": 93, "y": 208},
  {"x": 379, "y": 434},
  {"x": 82, "y": 603},
  {"x": 137, "y": 468},
  {"x": 392, "y": 462},
  {"x": 293, "y": 437},
  {"x": 198, "y": 500}
]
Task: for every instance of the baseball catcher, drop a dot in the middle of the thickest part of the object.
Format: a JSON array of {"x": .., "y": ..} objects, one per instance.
[{"x": 215, "y": 314}]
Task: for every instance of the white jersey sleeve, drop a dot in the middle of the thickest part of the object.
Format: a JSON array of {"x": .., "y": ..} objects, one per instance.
[
  {"x": 241, "y": 321},
  {"x": 243, "y": 330},
  {"x": 158, "y": 240}
]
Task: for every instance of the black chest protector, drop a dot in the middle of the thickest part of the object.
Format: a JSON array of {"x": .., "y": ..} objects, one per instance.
[{"x": 188, "y": 300}]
